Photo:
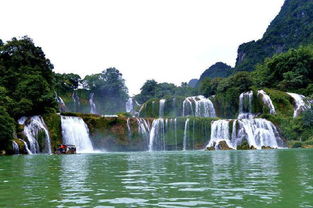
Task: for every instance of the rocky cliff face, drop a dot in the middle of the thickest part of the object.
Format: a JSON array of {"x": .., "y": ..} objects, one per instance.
[{"x": 291, "y": 28}]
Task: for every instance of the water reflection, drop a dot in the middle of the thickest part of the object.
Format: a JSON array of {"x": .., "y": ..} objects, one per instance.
[
  {"x": 74, "y": 172},
  {"x": 162, "y": 179}
]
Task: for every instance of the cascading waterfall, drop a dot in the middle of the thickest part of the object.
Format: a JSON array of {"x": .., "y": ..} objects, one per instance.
[
  {"x": 185, "y": 134},
  {"x": 144, "y": 128},
  {"x": 257, "y": 132},
  {"x": 220, "y": 132},
  {"x": 26, "y": 147},
  {"x": 187, "y": 107},
  {"x": 36, "y": 129},
  {"x": 76, "y": 101},
  {"x": 157, "y": 134},
  {"x": 76, "y": 132},
  {"x": 128, "y": 127},
  {"x": 198, "y": 106},
  {"x": 129, "y": 105},
  {"x": 245, "y": 105},
  {"x": 15, "y": 147},
  {"x": 175, "y": 132},
  {"x": 267, "y": 101},
  {"x": 161, "y": 107},
  {"x": 300, "y": 104},
  {"x": 93, "y": 109},
  {"x": 62, "y": 105}
]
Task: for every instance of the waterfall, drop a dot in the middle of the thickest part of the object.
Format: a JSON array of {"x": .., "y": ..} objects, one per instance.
[
  {"x": 220, "y": 132},
  {"x": 267, "y": 101},
  {"x": 245, "y": 105},
  {"x": 144, "y": 129},
  {"x": 257, "y": 132},
  {"x": 76, "y": 101},
  {"x": 198, "y": 106},
  {"x": 62, "y": 106},
  {"x": 175, "y": 131},
  {"x": 187, "y": 107},
  {"x": 128, "y": 127},
  {"x": 15, "y": 147},
  {"x": 186, "y": 131},
  {"x": 300, "y": 105},
  {"x": 35, "y": 129},
  {"x": 157, "y": 135},
  {"x": 161, "y": 107},
  {"x": 22, "y": 120},
  {"x": 26, "y": 147},
  {"x": 129, "y": 105},
  {"x": 93, "y": 109},
  {"x": 75, "y": 132}
]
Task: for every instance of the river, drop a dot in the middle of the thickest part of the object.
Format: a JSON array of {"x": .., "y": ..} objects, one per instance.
[{"x": 265, "y": 178}]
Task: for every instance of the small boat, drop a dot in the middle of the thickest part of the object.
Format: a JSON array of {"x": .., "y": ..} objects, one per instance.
[{"x": 66, "y": 149}]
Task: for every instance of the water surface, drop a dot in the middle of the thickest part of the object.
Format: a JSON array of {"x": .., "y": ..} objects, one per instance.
[{"x": 272, "y": 178}]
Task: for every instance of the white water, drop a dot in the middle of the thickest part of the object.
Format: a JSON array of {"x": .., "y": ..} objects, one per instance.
[
  {"x": 300, "y": 105},
  {"x": 33, "y": 128},
  {"x": 129, "y": 105},
  {"x": 245, "y": 105},
  {"x": 185, "y": 134},
  {"x": 143, "y": 128},
  {"x": 109, "y": 116},
  {"x": 175, "y": 132},
  {"x": 61, "y": 103},
  {"x": 257, "y": 132},
  {"x": 267, "y": 101},
  {"x": 22, "y": 120},
  {"x": 26, "y": 147},
  {"x": 93, "y": 109},
  {"x": 198, "y": 106},
  {"x": 219, "y": 132},
  {"x": 128, "y": 127},
  {"x": 75, "y": 132},
  {"x": 157, "y": 133},
  {"x": 76, "y": 101},
  {"x": 161, "y": 108},
  {"x": 15, "y": 147}
]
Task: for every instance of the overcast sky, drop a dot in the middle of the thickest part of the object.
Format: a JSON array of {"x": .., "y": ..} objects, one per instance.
[{"x": 166, "y": 40}]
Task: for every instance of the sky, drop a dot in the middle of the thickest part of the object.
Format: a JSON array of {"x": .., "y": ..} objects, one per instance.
[{"x": 166, "y": 40}]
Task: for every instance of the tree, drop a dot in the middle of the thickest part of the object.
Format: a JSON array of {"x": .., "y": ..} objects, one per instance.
[
  {"x": 208, "y": 87},
  {"x": 24, "y": 69},
  {"x": 66, "y": 82},
  {"x": 242, "y": 81},
  {"x": 109, "y": 86},
  {"x": 7, "y": 127},
  {"x": 287, "y": 71},
  {"x": 148, "y": 91}
]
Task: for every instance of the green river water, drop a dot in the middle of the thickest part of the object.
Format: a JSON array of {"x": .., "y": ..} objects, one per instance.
[{"x": 269, "y": 178}]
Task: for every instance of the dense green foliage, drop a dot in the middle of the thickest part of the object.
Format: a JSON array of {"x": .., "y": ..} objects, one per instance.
[
  {"x": 109, "y": 89},
  {"x": 26, "y": 85},
  {"x": 151, "y": 89},
  {"x": 66, "y": 82},
  {"x": 290, "y": 71},
  {"x": 291, "y": 28},
  {"x": 7, "y": 128},
  {"x": 26, "y": 78}
]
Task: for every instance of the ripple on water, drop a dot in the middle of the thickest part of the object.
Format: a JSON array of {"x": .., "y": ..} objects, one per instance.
[{"x": 123, "y": 201}]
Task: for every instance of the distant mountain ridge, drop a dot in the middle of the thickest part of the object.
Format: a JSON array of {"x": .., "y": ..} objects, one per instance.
[
  {"x": 218, "y": 69},
  {"x": 291, "y": 28}
]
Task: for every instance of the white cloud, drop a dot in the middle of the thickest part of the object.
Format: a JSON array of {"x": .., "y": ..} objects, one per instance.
[{"x": 168, "y": 40}]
